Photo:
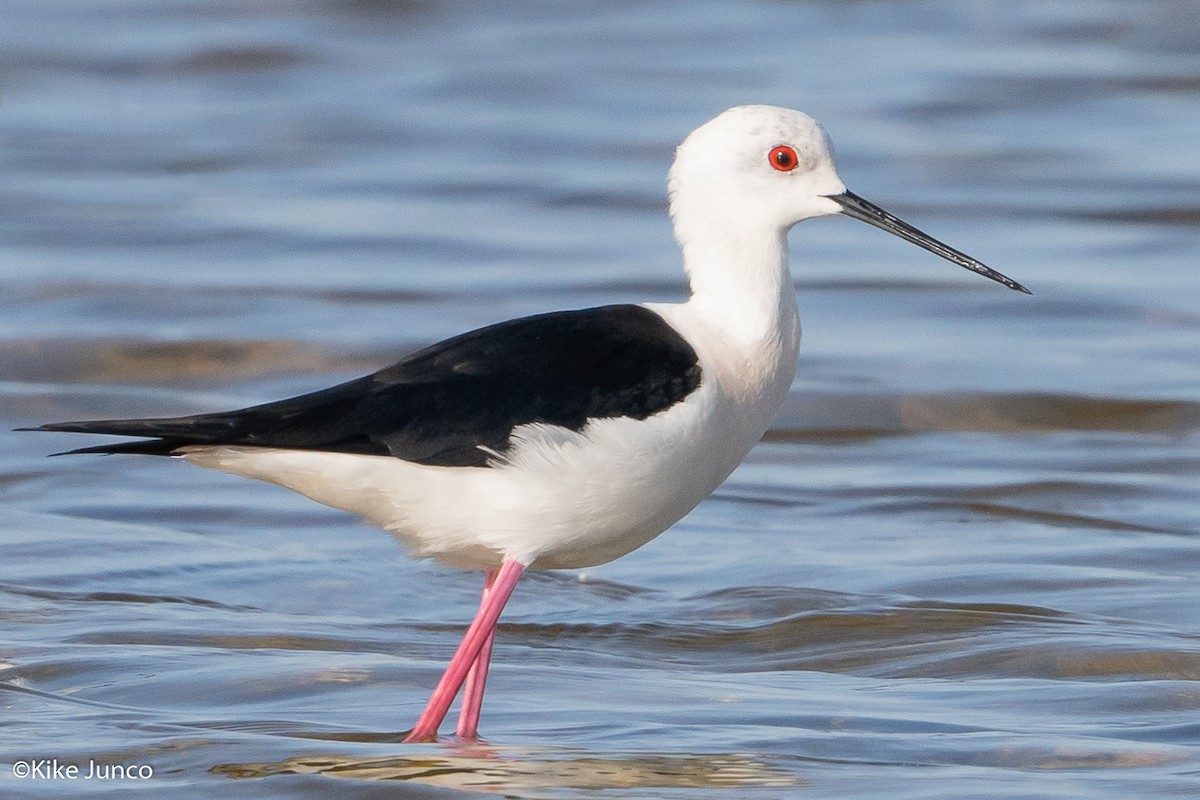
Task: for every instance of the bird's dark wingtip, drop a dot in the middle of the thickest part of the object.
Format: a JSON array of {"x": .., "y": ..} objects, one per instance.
[
  {"x": 150, "y": 447},
  {"x": 145, "y": 447},
  {"x": 59, "y": 427}
]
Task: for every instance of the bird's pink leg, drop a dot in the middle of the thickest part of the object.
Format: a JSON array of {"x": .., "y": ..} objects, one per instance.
[
  {"x": 480, "y": 632},
  {"x": 472, "y": 701}
]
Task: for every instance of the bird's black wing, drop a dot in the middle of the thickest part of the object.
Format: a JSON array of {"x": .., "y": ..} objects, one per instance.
[{"x": 451, "y": 403}]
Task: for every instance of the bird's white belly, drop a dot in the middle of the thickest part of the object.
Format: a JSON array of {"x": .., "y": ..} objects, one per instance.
[{"x": 558, "y": 499}]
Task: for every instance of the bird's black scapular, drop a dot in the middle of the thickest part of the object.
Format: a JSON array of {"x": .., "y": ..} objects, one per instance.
[{"x": 452, "y": 403}]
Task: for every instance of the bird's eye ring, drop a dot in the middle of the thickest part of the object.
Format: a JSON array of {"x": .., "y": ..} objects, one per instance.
[{"x": 783, "y": 158}]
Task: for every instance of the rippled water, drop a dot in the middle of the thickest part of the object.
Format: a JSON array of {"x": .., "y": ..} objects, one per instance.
[{"x": 963, "y": 563}]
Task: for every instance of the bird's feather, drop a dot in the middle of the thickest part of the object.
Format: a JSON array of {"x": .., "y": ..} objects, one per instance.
[{"x": 456, "y": 403}]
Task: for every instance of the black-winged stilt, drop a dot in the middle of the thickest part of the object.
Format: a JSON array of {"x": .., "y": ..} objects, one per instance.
[{"x": 567, "y": 439}]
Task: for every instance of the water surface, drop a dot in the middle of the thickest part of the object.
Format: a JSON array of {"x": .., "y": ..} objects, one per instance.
[{"x": 962, "y": 564}]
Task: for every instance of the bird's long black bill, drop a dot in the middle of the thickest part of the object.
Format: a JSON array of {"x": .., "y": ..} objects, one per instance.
[{"x": 858, "y": 208}]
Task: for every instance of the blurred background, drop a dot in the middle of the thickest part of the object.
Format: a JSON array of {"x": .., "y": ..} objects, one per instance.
[{"x": 963, "y": 563}]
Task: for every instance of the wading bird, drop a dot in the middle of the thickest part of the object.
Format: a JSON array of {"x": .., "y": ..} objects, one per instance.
[{"x": 568, "y": 439}]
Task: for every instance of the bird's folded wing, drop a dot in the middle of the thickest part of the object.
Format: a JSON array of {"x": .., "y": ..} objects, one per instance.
[{"x": 452, "y": 403}]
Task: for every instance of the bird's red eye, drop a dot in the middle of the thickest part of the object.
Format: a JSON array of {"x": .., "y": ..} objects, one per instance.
[{"x": 783, "y": 158}]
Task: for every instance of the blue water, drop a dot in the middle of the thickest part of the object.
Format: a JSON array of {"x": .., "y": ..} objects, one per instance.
[{"x": 962, "y": 564}]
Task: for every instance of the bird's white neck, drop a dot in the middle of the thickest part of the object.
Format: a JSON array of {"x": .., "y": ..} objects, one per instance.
[
  {"x": 743, "y": 300},
  {"x": 742, "y": 282}
]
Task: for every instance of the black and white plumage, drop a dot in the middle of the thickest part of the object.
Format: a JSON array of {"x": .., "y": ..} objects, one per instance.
[
  {"x": 565, "y": 440},
  {"x": 456, "y": 404}
]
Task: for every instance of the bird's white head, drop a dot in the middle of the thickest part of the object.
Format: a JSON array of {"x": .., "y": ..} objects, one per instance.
[
  {"x": 743, "y": 178},
  {"x": 759, "y": 167}
]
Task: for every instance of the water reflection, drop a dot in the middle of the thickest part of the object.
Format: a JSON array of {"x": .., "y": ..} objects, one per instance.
[{"x": 503, "y": 771}]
